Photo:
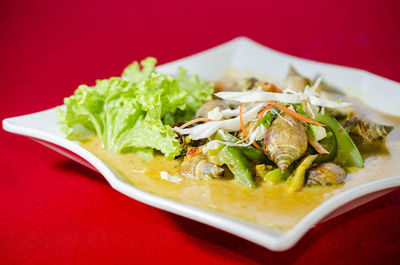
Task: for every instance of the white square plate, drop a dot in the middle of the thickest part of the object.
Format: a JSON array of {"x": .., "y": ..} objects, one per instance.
[{"x": 211, "y": 64}]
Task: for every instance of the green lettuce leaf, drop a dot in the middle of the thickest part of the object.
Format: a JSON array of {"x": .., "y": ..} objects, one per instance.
[
  {"x": 133, "y": 113},
  {"x": 197, "y": 93},
  {"x": 135, "y": 74}
]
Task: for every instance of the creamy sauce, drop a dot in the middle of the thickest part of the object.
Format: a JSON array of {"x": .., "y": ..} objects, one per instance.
[
  {"x": 382, "y": 160},
  {"x": 269, "y": 205}
]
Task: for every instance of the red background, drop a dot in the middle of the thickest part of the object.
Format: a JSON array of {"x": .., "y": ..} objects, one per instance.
[{"x": 54, "y": 211}]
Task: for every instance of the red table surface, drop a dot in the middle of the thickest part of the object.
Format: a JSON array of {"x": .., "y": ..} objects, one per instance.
[{"x": 54, "y": 211}]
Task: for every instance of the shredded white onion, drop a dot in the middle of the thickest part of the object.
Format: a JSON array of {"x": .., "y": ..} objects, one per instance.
[
  {"x": 214, "y": 144},
  {"x": 215, "y": 114},
  {"x": 250, "y": 112},
  {"x": 328, "y": 103},
  {"x": 205, "y": 130},
  {"x": 256, "y": 135},
  {"x": 312, "y": 112},
  {"x": 288, "y": 96},
  {"x": 254, "y": 96},
  {"x": 230, "y": 112},
  {"x": 259, "y": 132}
]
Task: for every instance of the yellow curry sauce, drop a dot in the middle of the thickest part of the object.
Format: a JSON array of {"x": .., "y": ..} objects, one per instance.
[{"x": 269, "y": 205}]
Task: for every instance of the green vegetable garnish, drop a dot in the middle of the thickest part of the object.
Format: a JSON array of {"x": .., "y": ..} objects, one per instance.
[
  {"x": 296, "y": 181},
  {"x": 197, "y": 92},
  {"x": 268, "y": 118},
  {"x": 252, "y": 153},
  {"x": 329, "y": 144},
  {"x": 347, "y": 154},
  {"x": 233, "y": 158},
  {"x": 132, "y": 113},
  {"x": 238, "y": 165},
  {"x": 316, "y": 132},
  {"x": 276, "y": 176}
]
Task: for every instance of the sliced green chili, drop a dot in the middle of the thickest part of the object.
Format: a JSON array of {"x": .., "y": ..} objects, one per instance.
[
  {"x": 329, "y": 144},
  {"x": 347, "y": 154},
  {"x": 238, "y": 165},
  {"x": 276, "y": 176},
  {"x": 296, "y": 181},
  {"x": 233, "y": 158},
  {"x": 250, "y": 152}
]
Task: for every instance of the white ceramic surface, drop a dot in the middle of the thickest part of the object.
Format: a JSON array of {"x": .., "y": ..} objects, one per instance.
[{"x": 211, "y": 64}]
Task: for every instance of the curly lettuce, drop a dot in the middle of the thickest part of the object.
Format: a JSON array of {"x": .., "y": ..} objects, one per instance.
[
  {"x": 133, "y": 113},
  {"x": 197, "y": 92}
]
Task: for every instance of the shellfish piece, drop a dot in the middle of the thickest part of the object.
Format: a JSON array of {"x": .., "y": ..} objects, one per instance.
[
  {"x": 197, "y": 165},
  {"x": 296, "y": 81},
  {"x": 285, "y": 141},
  {"x": 247, "y": 84},
  {"x": 326, "y": 174},
  {"x": 369, "y": 131},
  {"x": 225, "y": 85},
  {"x": 202, "y": 112},
  {"x": 341, "y": 113},
  {"x": 206, "y": 169}
]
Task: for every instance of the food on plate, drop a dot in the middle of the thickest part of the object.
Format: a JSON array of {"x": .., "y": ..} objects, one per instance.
[
  {"x": 260, "y": 150},
  {"x": 285, "y": 141},
  {"x": 326, "y": 174},
  {"x": 134, "y": 112}
]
